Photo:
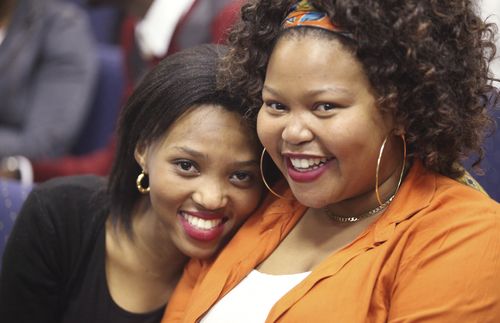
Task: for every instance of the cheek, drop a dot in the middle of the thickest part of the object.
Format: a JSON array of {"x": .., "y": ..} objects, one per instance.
[
  {"x": 246, "y": 202},
  {"x": 265, "y": 130},
  {"x": 163, "y": 197},
  {"x": 163, "y": 201},
  {"x": 358, "y": 135}
]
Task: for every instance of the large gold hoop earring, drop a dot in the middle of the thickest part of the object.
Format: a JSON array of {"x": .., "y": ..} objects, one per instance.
[
  {"x": 381, "y": 152},
  {"x": 138, "y": 183},
  {"x": 264, "y": 178}
]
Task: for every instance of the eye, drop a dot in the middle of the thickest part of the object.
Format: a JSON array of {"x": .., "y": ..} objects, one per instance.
[
  {"x": 186, "y": 166},
  {"x": 242, "y": 178},
  {"x": 323, "y": 107},
  {"x": 275, "y": 106}
]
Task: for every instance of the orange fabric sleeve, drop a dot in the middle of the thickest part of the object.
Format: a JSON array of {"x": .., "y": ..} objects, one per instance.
[
  {"x": 179, "y": 299},
  {"x": 450, "y": 273}
]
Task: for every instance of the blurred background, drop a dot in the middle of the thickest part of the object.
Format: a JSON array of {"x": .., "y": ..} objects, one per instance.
[
  {"x": 58, "y": 117},
  {"x": 66, "y": 69},
  {"x": 67, "y": 66}
]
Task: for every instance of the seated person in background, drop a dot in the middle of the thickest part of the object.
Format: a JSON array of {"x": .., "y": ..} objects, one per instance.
[
  {"x": 186, "y": 174},
  {"x": 48, "y": 73},
  {"x": 151, "y": 30},
  {"x": 366, "y": 108}
]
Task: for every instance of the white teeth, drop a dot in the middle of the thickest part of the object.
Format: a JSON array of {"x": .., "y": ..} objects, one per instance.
[
  {"x": 302, "y": 163},
  {"x": 201, "y": 224}
]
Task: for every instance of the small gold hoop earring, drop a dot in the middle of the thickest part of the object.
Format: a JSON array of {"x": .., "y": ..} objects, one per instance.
[
  {"x": 264, "y": 179},
  {"x": 138, "y": 183},
  {"x": 381, "y": 152}
]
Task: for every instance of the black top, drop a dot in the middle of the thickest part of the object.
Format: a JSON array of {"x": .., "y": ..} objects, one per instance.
[{"x": 54, "y": 262}]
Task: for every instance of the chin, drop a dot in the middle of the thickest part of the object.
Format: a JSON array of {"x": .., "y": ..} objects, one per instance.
[
  {"x": 199, "y": 252},
  {"x": 202, "y": 254},
  {"x": 312, "y": 201}
]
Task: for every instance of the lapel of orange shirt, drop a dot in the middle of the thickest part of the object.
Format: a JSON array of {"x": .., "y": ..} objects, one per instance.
[
  {"x": 260, "y": 235},
  {"x": 414, "y": 195}
]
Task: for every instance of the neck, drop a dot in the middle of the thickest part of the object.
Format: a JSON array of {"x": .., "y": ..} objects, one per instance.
[
  {"x": 153, "y": 242},
  {"x": 150, "y": 251}
]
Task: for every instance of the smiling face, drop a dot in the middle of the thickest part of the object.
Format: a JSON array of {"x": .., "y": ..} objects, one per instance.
[
  {"x": 203, "y": 178},
  {"x": 320, "y": 124}
]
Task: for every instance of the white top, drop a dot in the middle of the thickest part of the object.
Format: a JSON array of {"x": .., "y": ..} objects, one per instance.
[
  {"x": 490, "y": 10},
  {"x": 252, "y": 299},
  {"x": 155, "y": 30}
]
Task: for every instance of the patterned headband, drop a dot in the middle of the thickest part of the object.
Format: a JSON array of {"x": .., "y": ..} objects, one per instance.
[{"x": 303, "y": 13}]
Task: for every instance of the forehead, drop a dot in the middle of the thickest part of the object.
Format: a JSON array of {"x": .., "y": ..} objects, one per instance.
[
  {"x": 205, "y": 124},
  {"x": 321, "y": 58}
]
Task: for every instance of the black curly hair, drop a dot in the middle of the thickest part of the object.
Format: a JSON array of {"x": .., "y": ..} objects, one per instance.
[{"x": 427, "y": 61}]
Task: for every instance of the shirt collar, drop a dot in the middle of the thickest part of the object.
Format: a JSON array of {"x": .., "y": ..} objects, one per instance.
[{"x": 415, "y": 194}]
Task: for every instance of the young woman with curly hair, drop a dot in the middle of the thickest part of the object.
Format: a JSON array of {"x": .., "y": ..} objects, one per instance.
[{"x": 366, "y": 108}]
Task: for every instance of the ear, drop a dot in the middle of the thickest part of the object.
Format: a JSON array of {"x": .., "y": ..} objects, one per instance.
[{"x": 140, "y": 154}]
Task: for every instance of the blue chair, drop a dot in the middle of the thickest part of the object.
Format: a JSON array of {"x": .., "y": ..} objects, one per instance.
[
  {"x": 105, "y": 21},
  {"x": 101, "y": 120},
  {"x": 491, "y": 163},
  {"x": 12, "y": 196},
  {"x": 490, "y": 181}
]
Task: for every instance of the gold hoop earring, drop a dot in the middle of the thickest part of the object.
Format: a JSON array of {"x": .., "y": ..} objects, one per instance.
[
  {"x": 138, "y": 183},
  {"x": 378, "y": 169},
  {"x": 264, "y": 179}
]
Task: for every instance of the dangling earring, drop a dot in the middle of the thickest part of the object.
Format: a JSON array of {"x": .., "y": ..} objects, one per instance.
[
  {"x": 384, "y": 204},
  {"x": 138, "y": 183},
  {"x": 264, "y": 179}
]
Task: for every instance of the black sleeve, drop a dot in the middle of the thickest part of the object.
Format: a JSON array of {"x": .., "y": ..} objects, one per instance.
[{"x": 31, "y": 279}]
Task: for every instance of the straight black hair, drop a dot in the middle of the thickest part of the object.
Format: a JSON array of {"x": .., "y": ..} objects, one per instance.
[{"x": 178, "y": 83}]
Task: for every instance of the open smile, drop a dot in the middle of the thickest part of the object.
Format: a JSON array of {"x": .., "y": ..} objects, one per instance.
[
  {"x": 306, "y": 169},
  {"x": 203, "y": 227}
]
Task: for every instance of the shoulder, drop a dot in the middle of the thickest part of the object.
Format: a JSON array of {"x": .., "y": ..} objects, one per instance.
[
  {"x": 455, "y": 205},
  {"x": 452, "y": 247},
  {"x": 71, "y": 191},
  {"x": 68, "y": 186},
  {"x": 440, "y": 200},
  {"x": 457, "y": 224},
  {"x": 65, "y": 200},
  {"x": 456, "y": 201}
]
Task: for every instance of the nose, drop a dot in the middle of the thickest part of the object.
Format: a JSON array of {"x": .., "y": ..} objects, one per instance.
[
  {"x": 297, "y": 130},
  {"x": 210, "y": 196}
]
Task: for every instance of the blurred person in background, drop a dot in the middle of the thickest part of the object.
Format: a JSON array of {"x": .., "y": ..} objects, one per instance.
[
  {"x": 48, "y": 70},
  {"x": 151, "y": 30}
]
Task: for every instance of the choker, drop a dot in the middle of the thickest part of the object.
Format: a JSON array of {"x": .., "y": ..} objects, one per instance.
[{"x": 352, "y": 219}]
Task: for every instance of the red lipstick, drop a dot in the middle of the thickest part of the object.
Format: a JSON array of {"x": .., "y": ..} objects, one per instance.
[
  {"x": 202, "y": 234},
  {"x": 306, "y": 176}
]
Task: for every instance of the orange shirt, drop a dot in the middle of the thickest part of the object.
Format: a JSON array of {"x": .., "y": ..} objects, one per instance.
[{"x": 432, "y": 256}]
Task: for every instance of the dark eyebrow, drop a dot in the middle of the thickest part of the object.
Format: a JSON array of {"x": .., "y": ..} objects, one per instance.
[
  {"x": 191, "y": 152},
  {"x": 246, "y": 163},
  {"x": 334, "y": 89},
  {"x": 197, "y": 154}
]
